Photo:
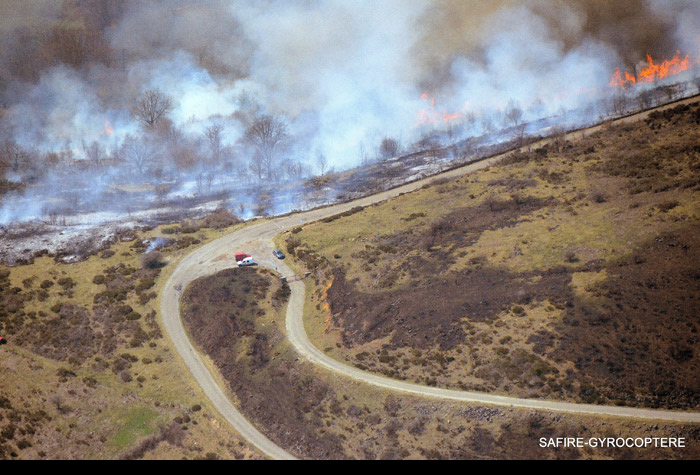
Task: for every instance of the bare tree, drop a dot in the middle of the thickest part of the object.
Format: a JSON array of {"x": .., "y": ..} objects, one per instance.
[
  {"x": 322, "y": 163},
  {"x": 257, "y": 165},
  {"x": 389, "y": 148},
  {"x": 16, "y": 158},
  {"x": 618, "y": 104},
  {"x": 487, "y": 124},
  {"x": 363, "y": 155},
  {"x": 214, "y": 137},
  {"x": 514, "y": 114},
  {"x": 151, "y": 107},
  {"x": 294, "y": 169},
  {"x": 558, "y": 136},
  {"x": 139, "y": 152},
  {"x": 645, "y": 99},
  {"x": 94, "y": 153},
  {"x": 266, "y": 135},
  {"x": 12, "y": 156}
]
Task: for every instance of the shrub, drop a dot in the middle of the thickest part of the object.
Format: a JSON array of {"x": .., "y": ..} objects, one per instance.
[
  {"x": 125, "y": 376},
  {"x": 283, "y": 293},
  {"x": 571, "y": 257},
  {"x": 667, "y": 206},
  {"x": 152, "y": 260},
  {"x": 598, "y": 197},
  {"x": 67, "y": 283}
]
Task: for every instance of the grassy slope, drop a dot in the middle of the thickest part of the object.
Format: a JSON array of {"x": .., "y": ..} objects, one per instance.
[
  {"x": 91, "y": 411},
  {"x": 234, "y": 319},
  {"x": 474, "y": 283}
]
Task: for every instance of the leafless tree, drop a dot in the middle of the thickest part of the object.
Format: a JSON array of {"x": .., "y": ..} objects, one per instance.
[
  {"x": 389, "y": 148},
  {"x": 322, "y": 163},
  {"x": 266, "y": 136},
  {"x": 470, "y": 120},
  {"x": 558, "y": 135},
  {"x": 13, "y": 156},
  {"x": 514, "y": 114},
  {"x": 363, "y": 155},
  {"x": 139, "y": 152},
  {"x": 618, "y": 104},
  {"x": 94, "y": 153},
  {"x": 671, "y": 92},
  {"x": 487, "y": 124},
  {"x": 257, "y": 164},
  {"x": 294, "y": 169},
  {"x": 152, "y": 106},
  {"x": 214, "y": 137},
  {"x": 645, "y": 99}
]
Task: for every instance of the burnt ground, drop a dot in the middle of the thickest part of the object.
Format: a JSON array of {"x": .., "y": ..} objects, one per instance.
[
  {"x": 285, "y": 403},
  {"x": 315, "y": 417},
  {"x": 640, "y": 345},
  {"x": 422, "y": 317},
  {"x": 632, "y": 341},
  {"x": 418, "y": 315}
]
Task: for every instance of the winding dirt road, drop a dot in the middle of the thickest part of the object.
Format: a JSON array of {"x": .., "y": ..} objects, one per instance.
[{"x": 218, "y": 255}]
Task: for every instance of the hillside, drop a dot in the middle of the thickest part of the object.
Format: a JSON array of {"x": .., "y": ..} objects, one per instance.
[
  {"x": 237, "y": 318},
  {"x": 87, "y": 373},
  {"x": 566, "y": 272}
]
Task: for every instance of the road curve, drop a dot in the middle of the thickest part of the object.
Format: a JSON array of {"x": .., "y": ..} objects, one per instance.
[{"x": 218, "y": 255}]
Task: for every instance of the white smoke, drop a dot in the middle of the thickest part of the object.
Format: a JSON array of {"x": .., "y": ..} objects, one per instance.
[
  {"x": 342, "y": 75},
  {"x": 527, "y": 63}
]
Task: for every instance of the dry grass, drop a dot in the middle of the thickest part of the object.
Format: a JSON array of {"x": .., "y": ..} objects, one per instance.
[
  {"x": 608, "y": 195},
  {"x": 316, "y": 414},
  {"x": 120, "y": 399}
]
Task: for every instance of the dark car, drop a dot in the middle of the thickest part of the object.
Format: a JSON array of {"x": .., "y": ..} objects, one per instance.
[{"x": 278, "y": 254}]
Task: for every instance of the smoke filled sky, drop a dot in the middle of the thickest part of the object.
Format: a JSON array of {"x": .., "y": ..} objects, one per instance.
[{"x": 343, "y": 73}]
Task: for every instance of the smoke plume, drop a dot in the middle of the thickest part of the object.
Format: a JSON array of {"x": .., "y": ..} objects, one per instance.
[{"x": 339, "y": 75}]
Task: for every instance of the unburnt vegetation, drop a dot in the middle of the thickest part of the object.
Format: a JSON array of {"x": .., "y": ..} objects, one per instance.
[
  {"x": 567, "y": 271},
  {"x": 87, "y": 372},
  {"x": 237, "y": 318}
]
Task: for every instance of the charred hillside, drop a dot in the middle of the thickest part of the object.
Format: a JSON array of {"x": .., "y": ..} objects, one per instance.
[{"x": 565, "y": 272}]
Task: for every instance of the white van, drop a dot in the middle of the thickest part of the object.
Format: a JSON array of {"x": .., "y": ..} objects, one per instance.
[{"x": 247, "y": 262}]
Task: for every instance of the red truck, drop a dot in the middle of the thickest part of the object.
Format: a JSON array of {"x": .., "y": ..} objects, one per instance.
[{"x": 240, "y": 256}]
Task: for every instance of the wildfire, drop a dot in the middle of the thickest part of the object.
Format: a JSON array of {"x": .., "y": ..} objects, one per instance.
[
  {"x": 109, "y": 130},
  {"x": 652, "y": 72},
  {"x": 431, "y": 115}
]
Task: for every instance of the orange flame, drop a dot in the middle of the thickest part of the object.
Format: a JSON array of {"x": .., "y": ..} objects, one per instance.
[
  {"x": 109, "y": 130},
  {"x": 652, "y": 72},
  {"x": 431, "y": 115}
]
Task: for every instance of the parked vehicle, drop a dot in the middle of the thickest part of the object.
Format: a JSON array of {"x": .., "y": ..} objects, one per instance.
[
  {"x": 247, "y": 262},
  {"x": 241, "y": 255},
  {"x": 278, "y": 254},
  {"x": 3, "y": 341}
]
